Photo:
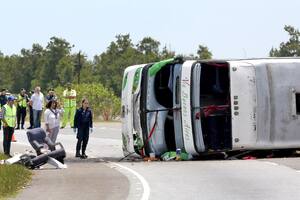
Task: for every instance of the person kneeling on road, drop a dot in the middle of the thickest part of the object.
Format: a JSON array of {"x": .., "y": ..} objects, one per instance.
[{"x": 83, "y": 124}]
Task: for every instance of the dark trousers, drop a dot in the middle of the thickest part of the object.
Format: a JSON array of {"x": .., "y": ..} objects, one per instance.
[
  {"x": 31, "y": 116},
  {"x": 21, "y": 114},
  {"x": 83, "y": 138},
  {"x": 7, "y": 135}
]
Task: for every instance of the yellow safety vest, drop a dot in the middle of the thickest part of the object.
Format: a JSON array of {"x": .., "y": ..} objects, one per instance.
[
  {"x": 22, "y": 101},
  {"x": 10, "y": 115},
  {"x": 69, "y": 103}
]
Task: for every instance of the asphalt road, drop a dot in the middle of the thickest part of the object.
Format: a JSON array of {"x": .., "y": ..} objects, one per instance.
[
  {"x": 104, "y": 142},
  {"x": 82, "y": 180},
  {"x": 208, "y": 180}
]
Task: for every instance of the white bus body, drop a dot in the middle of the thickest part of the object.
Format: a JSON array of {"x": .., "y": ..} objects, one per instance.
[
  {"x": 130, "y": 107},
  {"x": 214, "y": 105}
]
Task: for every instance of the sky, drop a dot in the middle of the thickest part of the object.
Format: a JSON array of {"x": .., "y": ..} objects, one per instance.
[{"x": 230, "y": 29}]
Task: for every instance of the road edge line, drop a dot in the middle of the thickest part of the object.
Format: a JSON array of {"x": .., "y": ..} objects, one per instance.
[{"x": 146, "y": 191}]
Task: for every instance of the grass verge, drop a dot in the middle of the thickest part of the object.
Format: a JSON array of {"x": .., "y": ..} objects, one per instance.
[{"x": 12, "y": 179}]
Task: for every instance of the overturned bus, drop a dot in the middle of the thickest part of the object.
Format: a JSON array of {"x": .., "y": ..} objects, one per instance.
[{"x": 211, "y": 106}]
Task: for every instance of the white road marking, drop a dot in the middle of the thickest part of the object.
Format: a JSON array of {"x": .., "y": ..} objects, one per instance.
[
  {"x": 146, "y": 193},
  {"x": 271, "y": 163},
  {"x": 22, "y": 143}
]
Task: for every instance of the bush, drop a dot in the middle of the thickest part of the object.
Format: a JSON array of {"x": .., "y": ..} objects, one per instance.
[{"x": 102, "y": 101}]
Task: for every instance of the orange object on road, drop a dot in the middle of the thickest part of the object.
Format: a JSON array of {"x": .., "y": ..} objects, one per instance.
[
  {"x": 13, "y": 139},
  {"x": 150, "y": 159}
]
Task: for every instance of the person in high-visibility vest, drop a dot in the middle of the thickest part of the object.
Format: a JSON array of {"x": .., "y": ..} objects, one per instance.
[
  {"x": 9, "y": 114},
  {"x": 21, "y": 108},
  {"x": 69, "y": 98}
]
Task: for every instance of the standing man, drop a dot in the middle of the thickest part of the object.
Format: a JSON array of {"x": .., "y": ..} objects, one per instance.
[
  {"x": 37, "y": 102},
  {"x": 3, "y": 100},
  {"x": 9, "y": 112},
  {"x": 30, "y": 111},
  {"x": 51, "y": 95},
  {"x": 21, "y": 109},
  {"x": 69, "y": 96}
]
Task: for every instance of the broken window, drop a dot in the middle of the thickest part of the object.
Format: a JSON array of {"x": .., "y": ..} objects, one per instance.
[{"x": 297, "y": 103}]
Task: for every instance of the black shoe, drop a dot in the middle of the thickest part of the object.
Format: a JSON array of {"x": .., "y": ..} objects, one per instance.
[
  {"x": 78, "y": 155},
  {"x": 22, "y": 127},
  {"x": 83, "y": 156},
  {"x": 62, "y": 127},
  {"x": 18, "y": 128},
  {"x": 30, "y": 127},
  {"x": 72, "y": 126}
]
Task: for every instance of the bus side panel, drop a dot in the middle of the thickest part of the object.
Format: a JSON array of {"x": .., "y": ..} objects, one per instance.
[
  {"x": 127, "y": 118},
  {"x": 243, "y": 105},
  {"x": 155, "y": 120},
  {"x": 197, "y": 129},
  {"x": 186, "y": 114},
  {"x": 136, "y": 100},
  {"x": 177, "y": 105}
]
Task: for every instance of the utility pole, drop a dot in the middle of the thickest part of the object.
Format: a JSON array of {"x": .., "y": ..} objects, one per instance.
[{"x": 78, "y": 67}]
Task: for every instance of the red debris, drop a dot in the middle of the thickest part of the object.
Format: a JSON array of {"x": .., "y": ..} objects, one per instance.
[{"x": 249, "y": 158}]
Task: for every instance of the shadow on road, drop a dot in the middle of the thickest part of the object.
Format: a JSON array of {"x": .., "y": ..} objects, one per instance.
[{"x": 92, "y": 160}]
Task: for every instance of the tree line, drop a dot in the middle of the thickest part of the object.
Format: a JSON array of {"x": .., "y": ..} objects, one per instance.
[{"x": 55, "y": 65}]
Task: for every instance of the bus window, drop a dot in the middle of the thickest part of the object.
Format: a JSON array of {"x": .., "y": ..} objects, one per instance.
[{"x": 177, "y": 92}]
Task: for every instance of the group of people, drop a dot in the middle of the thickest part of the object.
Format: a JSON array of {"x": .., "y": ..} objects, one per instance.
[{"x": 14, "y": 109}]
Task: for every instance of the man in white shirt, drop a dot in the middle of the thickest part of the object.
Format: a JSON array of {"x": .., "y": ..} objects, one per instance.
[{"x": 37, "y": 102}]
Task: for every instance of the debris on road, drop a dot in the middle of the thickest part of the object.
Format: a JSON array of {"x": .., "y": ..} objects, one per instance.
[{"x": 46, "y": 150}]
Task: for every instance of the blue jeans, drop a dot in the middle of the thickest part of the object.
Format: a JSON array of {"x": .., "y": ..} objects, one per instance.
[{"x": 37, "y": 118}]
